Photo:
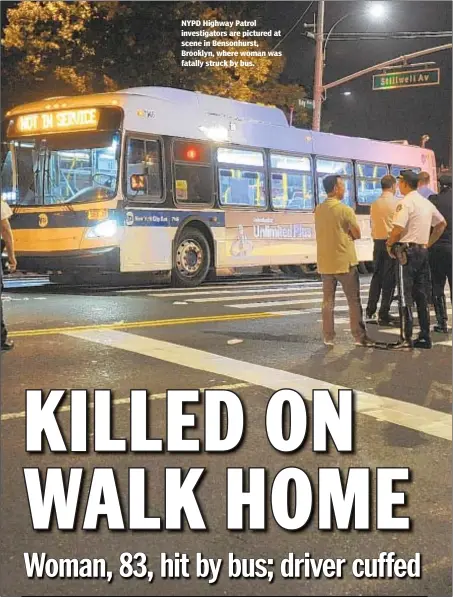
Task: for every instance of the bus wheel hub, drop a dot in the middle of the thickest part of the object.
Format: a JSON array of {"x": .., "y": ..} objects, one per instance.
[{"x": 189, "y": 257}]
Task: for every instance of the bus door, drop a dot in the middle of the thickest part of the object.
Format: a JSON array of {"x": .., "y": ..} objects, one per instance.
[{"x": 147, "y": 235}]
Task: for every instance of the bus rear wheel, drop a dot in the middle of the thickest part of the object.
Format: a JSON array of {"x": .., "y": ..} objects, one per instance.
[{"x": 192, "y": 258}]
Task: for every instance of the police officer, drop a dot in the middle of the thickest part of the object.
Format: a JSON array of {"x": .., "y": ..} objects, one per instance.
[
  {"x": 440, "y": 255},
  {"x": 410, "y": 238}
]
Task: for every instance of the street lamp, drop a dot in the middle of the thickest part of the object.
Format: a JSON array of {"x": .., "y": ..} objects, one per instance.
[{"x": 376, "y": 10}]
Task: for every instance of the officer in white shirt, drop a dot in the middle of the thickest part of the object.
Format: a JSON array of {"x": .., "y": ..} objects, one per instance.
[{"x": 411, "y": 237}]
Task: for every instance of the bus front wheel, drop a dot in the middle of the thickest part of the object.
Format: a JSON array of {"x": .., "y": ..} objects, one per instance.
[{"x": 192, "y": 258}]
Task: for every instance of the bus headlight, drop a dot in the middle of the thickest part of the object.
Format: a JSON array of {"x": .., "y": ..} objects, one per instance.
[{"x": 105, "y": 229}]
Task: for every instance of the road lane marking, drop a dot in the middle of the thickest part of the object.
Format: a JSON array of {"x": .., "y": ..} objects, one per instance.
[
  {"x": 160, "y": 322},
  {"x": 142, "y": 324},
  {"x": 201, "y": 290},
  {"x": 338, "y": 309},
  {"x": 284, "y": 303},
  {"x": 231, "y": 284},
  {"x": 118, "y": 401},
  {"x": 218, "y": 299},
  {"x": 301, "y": 286},
  {"x": 381, "y": 408}
]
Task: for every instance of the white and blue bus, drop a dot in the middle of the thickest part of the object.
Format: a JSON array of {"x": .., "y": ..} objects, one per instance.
[{"x": 157, "y": 179}]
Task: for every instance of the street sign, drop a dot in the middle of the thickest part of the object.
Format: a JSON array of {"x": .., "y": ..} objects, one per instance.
[
  {"x": 307, "y": 103},
  {"x": 405, "y": 79}
]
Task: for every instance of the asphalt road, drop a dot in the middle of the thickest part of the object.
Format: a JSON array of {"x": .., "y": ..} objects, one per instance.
[{"x": 253, "y": 338}]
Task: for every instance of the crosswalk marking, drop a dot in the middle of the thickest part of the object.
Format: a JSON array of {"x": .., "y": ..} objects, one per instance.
[
  {"x": 215, "y": 286},
  {"x": 308, "y": 311},
  {"x": 266, "y": 304},
  {"x": 243, "y": 295},
  {"x": 381, "y": 408},
  {"x": 217, "y": 299},
  {"x": 239, "y": 290}
]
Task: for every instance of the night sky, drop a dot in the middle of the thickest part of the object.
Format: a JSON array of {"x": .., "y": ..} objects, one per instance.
[{"x": 387, "y": 115}]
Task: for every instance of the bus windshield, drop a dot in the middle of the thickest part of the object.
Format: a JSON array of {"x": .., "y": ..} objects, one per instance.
[{"x": 63, "y": 169}]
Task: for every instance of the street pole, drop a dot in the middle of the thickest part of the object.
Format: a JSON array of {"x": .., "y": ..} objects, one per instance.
[
  {"x": 319, "y": 67},
  {"x": 403, "y": 59}
]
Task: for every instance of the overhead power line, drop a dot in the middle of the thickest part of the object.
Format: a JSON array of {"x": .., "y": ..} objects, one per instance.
[
  {"x": 294, "y": 26},
  {"x": 396, "y": 35}
]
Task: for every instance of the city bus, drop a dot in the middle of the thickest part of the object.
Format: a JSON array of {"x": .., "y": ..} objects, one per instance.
[{"x": 153, "y": 179}]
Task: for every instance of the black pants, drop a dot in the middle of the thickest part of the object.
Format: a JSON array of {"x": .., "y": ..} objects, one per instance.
[
  {"x": 440, "y": 264},
  {"x": 383, "y": 280},
  {"x": 4, "y": 330},
  {"x": 414, "y": 285}
]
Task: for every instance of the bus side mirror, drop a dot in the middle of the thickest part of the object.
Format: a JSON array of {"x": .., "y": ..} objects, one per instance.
[{"x": 138, "y": 182}]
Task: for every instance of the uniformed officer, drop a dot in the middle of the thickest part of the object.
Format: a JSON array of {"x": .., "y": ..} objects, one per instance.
[
  {"x": 440, "y": 255},
  {"x": 412, "y": 222},
  {"x": 383, "y": 279}
]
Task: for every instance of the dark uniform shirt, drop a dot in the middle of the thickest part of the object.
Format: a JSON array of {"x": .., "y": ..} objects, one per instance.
[{"x": 443, "y": 202}]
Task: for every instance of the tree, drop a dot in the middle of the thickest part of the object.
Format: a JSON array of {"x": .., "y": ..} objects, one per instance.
[
  {"x": 48, "y": 48},
  {"x": 56, "y": 48}
]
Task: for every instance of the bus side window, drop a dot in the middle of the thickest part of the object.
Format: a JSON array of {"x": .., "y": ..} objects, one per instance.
[
  {"x": 241, "y": 177},
  {"x": 368, "y": 177},
  {"x": 194, "y": 176},
  {"x": 344, "y": 169},
  {"x": 144, "y": 160},
  {"x": 395, "y": 171},
  {"x": 291, "y": 182}
]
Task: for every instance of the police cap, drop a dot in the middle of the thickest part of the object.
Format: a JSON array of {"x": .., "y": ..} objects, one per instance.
[
  {"x": 445, "y": 180},
  {"x": 410, "y": 177}
]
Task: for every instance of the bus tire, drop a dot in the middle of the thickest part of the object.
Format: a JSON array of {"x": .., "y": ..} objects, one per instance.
[
  {"x": 286, "y": 270},
  {"x": 191, "y": 259}
]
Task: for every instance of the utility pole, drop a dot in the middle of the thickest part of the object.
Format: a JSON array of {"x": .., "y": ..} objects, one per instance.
[{"x": 319, "y": 67}]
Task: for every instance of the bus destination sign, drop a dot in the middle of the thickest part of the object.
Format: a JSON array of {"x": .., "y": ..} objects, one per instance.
[
  {"x": 60, "y": 121},
  {"x": 405, "y": 79}
]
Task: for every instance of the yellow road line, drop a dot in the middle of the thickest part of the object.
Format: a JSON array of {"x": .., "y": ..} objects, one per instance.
[{"x": 142, "y": 324}]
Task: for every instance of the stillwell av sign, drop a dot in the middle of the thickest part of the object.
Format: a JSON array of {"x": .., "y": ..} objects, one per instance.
[{"x": 408, "y": 78}]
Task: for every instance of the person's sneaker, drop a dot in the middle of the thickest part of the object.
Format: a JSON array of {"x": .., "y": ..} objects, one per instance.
[
  {"x": 365, "y": 342},
  {"x": 403, "y": 345},
  {"x": 7, "y": 345},
  {"x": 423, "y": 343},
  {"x": 441, "y": 329},
  {"x": 328, "y": 342},
  {"x": 370, "y": 318}
]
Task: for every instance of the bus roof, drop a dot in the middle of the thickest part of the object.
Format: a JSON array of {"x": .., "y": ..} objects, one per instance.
[
  {"x": 250, "y": 124},
  {"x": 194, "y": 100}
]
